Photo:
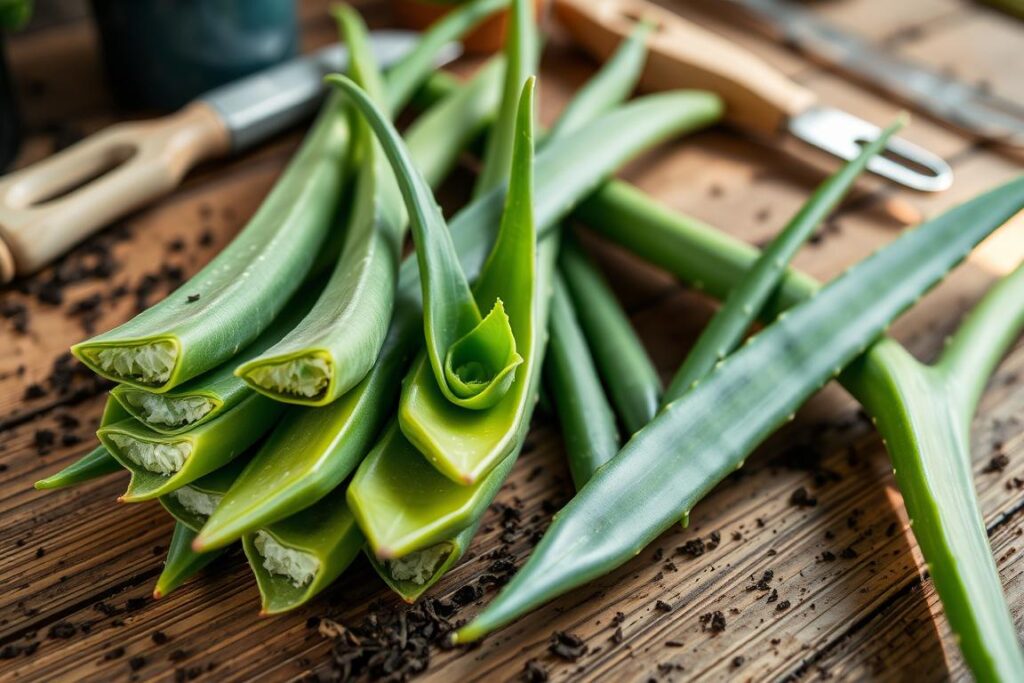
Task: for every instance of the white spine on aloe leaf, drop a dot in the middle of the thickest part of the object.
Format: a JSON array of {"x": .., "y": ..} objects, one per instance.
[
  {"x": 162, "y": 458},
  {"x": 299, "y": 567},
  {"x": 306, "y": 376},
  {"x": 197, "y": 502},
  {"x": 419, "y": 566},
  {"x": 169, "y": 411},
  {"x": 147, "y": 362}
]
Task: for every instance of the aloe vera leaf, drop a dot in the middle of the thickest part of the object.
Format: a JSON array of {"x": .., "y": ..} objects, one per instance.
[
  {"x": 193, "y": 503},
  {"x": 610, "y": 86},
  {"x": 313, "y": 450},
  {"x": 586, "y": 418},
  {"x": 426, "y": 507},
  {"x": 182, "y": 562},
  {"x": 188, "y": 456},
  {"x": 632, "y": 381},
  {"x": 407, "y": 75},
  {"x": 435, "y": 561},
  {"x": 245, "y": 286},
  {"x": 440, "y": 134},
  {"x": 298, "y": 557},
  {"x": 96, "y": 463},
  {"x": 924, "y": 416},
  {"x": 700, "y": 438},
  {"x": 465, "y": 444},
  {"x": 334, "y": 346},
  {"x": 522, "y": 54},
  {"x": 728, "y": 326},
  {"x": 887, "y": 381}
]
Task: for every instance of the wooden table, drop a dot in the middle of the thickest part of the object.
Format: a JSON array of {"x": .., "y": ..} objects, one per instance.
[{"x": 69, "y": 556}]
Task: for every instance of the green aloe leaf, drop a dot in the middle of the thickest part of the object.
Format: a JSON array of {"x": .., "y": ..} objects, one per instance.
[
  {"x": 522, "y": 55},
  {"x": 296, "y": 558},
  {"x": 916, "y": 408},
  {"x": 634, "y": 386},
  {"x": 466, "y": 444},
  {"x": 426, "y": 508},
  {"x": 161, "y": 463},
  {"x": 313, "y": 450},
  {"x": 96, "y": 463},
  {"x": 726, "y": 330},
  {"x": 193, "y": 503},
  {"x": 700, "y": 438},
  {"x": 182, "y": 562},
  {"x": 413, "y": 575},
  {"x": 584, "y": 414}
]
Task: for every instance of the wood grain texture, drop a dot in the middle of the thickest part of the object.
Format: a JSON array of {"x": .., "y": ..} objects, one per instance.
[{"x": 859, "y": 606}]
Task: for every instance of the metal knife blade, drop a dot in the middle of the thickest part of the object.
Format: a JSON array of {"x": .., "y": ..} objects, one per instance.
[
  {"x": 265, "y": 103},
  {"x": 967, "y": 107}
]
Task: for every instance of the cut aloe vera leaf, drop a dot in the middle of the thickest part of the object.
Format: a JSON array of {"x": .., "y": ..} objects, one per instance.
[
  {"x": 700, "y": 438},
  {"x": 307, "y": 455},
  {"x": 588, "y": 424},
  {"x": 161, "y": 463},
  {"x": 96, "y": 463},
  {"x": 311, "y": 452},
  {"x": 465, "y": 444},
  {"x": 244, "y": 287},
  {"x": 298, "y": 557},
  {"x": 634, "y": 386},
  {"x": 333, "y": 347},
  {"x": 212, "y": 394},
  {"x": 414, "y": 574},
  {"x": 182, "y": 562},
  {"x": 404, "y": 505},
  {"x": 193, "y": 503}
]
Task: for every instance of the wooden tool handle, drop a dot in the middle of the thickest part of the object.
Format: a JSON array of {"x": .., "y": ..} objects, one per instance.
[
  {"x": 683, "y": 55},
  {"x": 50, "y": 206}
]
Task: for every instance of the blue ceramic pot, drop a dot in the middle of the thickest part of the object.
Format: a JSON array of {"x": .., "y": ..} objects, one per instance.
[{"x": 162, "y": 53}]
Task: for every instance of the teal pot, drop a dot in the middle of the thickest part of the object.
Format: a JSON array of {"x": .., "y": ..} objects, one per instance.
[{"x": 162, "y": 53}]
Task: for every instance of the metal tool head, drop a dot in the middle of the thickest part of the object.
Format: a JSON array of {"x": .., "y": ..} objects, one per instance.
[
  {"x": 842, "y": 135},
  {"x": 389, "y": 46}
]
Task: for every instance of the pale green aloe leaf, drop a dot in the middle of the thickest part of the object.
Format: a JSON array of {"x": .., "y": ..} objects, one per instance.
[
  {"x": 182, "y": 562},
  {"x": 296, "y": 558}
]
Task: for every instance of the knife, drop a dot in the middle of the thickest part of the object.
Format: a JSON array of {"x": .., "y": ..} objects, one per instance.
[
  {"x": 758, "y": 98},
  {"x": 50, "y": 206},
  {"x": 971, "y": 109}
]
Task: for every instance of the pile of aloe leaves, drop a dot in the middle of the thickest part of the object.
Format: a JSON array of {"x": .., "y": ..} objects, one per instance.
[{"x": 315, "y": 397}]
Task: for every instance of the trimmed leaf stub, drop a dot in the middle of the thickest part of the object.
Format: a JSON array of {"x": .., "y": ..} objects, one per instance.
[
  {"x": 297, "y": 566},
  {"x": 481, "y": 366},
  {"x": 150, "y": 364},
  {"x": 306, "y": 376}
]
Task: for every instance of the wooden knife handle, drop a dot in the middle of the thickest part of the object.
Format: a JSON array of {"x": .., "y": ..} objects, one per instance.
[
  {"x": 683, "y": 55},
  {"x": 48, "y": 207}
]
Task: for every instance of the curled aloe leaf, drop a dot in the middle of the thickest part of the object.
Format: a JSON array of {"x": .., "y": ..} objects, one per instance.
[
  {"x": 96, "y": 463},
  {"x": 465, "y": 445},
  {"x": 700, "y": 438}
]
